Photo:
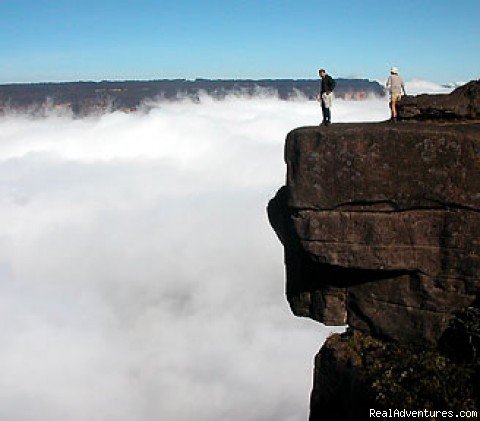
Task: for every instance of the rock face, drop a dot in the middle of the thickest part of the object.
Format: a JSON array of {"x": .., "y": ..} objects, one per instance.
[
  {"x": 381, "y": 226},
  {"x": 462, "y": 104},
  {"x": 381, "y": 229}
]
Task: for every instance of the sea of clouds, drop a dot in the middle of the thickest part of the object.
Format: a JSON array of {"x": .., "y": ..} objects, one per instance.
[{"x": 139, "y": 277}]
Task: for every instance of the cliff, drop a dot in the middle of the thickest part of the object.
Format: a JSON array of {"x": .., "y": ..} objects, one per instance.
[{"x": 381, "y": 229}]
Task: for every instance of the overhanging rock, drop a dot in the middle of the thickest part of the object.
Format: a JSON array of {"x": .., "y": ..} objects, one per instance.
[{"x": 381, "y": 225}]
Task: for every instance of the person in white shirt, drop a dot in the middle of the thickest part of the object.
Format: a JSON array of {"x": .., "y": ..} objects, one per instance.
[{"x": 395, "y": 85}]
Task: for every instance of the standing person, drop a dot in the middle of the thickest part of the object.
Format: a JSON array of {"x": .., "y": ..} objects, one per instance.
[
  {"x": 327, "y": 87},
  {"x": 395, "y": 86}
]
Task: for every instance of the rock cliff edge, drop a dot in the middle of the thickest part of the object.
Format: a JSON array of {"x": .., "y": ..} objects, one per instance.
[{"x": 380, "y": 224}]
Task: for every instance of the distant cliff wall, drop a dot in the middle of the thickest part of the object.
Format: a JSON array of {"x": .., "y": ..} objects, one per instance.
[{"x": 92, "y": 97}]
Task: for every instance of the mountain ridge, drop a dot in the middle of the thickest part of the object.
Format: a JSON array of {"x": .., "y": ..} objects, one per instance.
[{"x": 84, "y": 97}]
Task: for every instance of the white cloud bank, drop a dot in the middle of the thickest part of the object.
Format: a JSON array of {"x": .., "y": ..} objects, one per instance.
[
  {"x": 139, "y": 278},
  {"x": 420, "y": 86}
]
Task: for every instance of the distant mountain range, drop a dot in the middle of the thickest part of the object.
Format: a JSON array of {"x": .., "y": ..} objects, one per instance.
[{"x": 86, "y": 97}]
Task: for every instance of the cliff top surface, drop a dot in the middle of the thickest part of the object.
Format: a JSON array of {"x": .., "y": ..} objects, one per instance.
[{"x": 403, "y": 165}]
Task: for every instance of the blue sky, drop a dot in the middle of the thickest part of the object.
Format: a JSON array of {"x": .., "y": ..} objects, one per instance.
[{"x": 93, "y": 40}]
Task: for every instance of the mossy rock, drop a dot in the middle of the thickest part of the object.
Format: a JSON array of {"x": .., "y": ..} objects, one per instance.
[{"x": 406, "y": 376}]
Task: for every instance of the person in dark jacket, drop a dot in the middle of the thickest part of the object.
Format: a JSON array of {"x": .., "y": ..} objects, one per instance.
[{"x": 327, "y": 87}]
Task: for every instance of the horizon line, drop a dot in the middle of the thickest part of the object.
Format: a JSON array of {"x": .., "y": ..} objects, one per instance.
[{"x": 178, "y": 79}]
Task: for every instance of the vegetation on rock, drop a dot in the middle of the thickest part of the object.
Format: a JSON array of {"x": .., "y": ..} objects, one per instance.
[{"x": 407, "y": 376}]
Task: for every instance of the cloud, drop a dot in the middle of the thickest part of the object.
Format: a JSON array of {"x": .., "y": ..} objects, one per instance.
[
  {"x": 420, "y": 86},
  {"x": 139, "y": 278}
]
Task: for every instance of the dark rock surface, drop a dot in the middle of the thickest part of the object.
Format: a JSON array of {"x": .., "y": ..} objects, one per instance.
[
  {"x": 381, "y": 225},
  {"x": 381, "y": 229},
  {"x": 355, "y": 373},
  {"x": 340, "y": 389},
  {"x": 462, "y": 104}
]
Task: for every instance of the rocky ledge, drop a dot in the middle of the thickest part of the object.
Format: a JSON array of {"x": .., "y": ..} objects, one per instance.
[
  {"x": 381, "y": 229},
  {"x": 462, "y": 104}
]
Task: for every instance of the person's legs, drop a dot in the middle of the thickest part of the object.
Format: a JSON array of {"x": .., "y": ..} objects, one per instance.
[
  {"x": 326, "y": 114},
  {"x": 394, "y": 98}
]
